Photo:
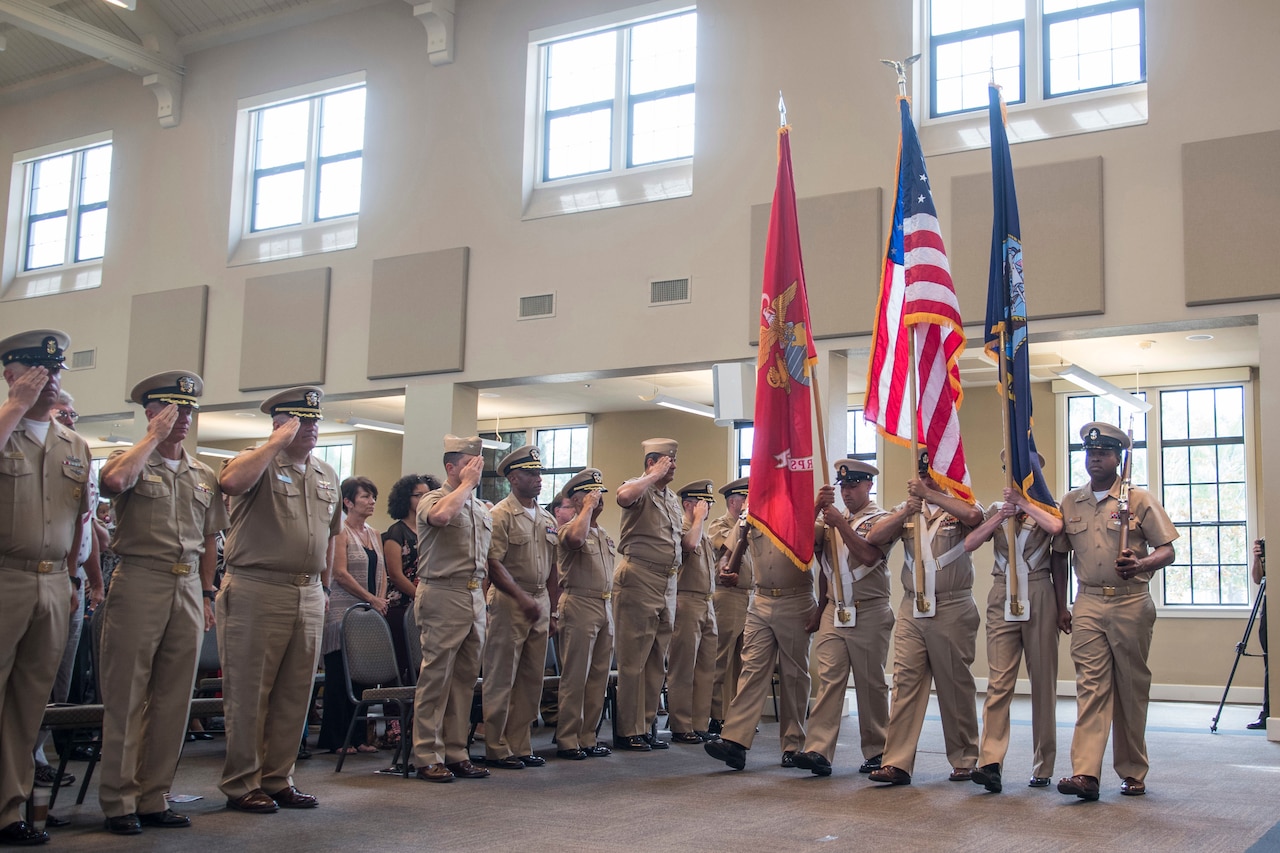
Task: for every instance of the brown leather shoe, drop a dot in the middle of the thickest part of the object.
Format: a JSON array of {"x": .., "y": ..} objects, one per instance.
[
  {"x": 434, "y": 773},
  {"x": 1131, "y": 787},
  {"x": 292, "y": 798},
  {"x": 256, "y": 801},
  {"x": 1084, "y": 787},
  {"x": 890, "y": 774},
  {"x": 466, "y": 770}
]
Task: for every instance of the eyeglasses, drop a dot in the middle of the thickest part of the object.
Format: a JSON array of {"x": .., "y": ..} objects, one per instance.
[
  {"x": 419, "y": 494},
  {"x": 68, "y": 414}
]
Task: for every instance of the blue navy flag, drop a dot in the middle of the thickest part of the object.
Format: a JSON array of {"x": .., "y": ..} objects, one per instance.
[{"x": 1007, "y": 317}]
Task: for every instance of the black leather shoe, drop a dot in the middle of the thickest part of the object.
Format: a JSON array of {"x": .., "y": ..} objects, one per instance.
[
  {"x": 466, "y": 770},
  {"x": 597, "y": 751},
  {"x": 890, "y": 774},
  {"x": 1260, "y": 723},
  {"x": 715, "y": 726},
  {"x": 167, "y": 818},
  {"x": 125, "y": 824},
  {"x": 988, "y": 776},
  {"x": 84, "y": 753},
  {"x": 434, "y": 773},
  {"x": 571, "y": 754},
  {"x": 656, "y": 742},
  {"x": 872, "y": 763},
  {"x": 55, "y": 822},
  {"x": 21, "y": 832},
  {"x": 815, "y": 762},
  {"x": 731, "y": 753},
  {"x": 1084, "y": 787},
  {"x": 509, "y": 762},
  {"x": 292, "y": 798},
  {"x": 789, "y": 758},
  {"x": 1131, "y": 787},
  {"x": 685, "y": 737},
  {"x": 635, "y": 743},
  {"x": 1038, "y": 782},
  {"x": 256, "y": 801},
  {"x": 532, "y": 760}
]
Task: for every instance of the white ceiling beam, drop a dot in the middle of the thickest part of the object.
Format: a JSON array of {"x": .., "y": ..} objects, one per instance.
[{"x": 161, "y": 75}]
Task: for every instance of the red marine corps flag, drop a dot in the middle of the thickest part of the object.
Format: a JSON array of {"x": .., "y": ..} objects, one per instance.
[{"x": 781, "y": 502}]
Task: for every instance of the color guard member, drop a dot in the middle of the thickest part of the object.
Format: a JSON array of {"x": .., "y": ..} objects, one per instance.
[
  {"x": 691, "y": 663},
  {"x": 732, "y": 596}
]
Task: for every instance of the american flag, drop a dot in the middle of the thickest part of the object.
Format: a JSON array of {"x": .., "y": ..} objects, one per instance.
[{"x": 916, "y": 291}]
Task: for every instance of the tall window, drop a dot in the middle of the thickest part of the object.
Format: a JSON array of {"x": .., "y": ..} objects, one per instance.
[
  {"x": 64, "y": 217},
  {"x": 744, "y": 437},
  {"x": 1086, "y": 409},
  {"x": 564, "y": 453},
  {"x": 614, "y": 99},
  {"x": 307, "y": 160},
  {"x": 341, "y": 455},
  {"x": 1035, "y": 49},
  {"x": 862, "y": 442}
]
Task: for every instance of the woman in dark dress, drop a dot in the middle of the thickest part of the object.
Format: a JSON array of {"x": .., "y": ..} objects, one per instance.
[{"x": 400, "y": 544}]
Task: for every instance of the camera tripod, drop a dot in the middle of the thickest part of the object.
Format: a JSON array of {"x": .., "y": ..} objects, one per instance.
[{"x": 1258, "y": 604}]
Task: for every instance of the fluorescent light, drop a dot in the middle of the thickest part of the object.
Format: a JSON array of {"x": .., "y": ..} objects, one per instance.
[
  {"x": 215, "y": 451},
  {"x": 492, "y": 444},
  {"x": 115, "y": 439},
  {"x": 130, "y": 5},
  {"x": 684, "y": 406},
  {"x": 379, "y": 426},
  {"x": 1091, "y": 382}
]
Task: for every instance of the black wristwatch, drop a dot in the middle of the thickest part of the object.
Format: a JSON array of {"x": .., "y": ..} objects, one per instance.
[
  {"x": 327, "y": 591},
  {"x": 210, "y": 594}
]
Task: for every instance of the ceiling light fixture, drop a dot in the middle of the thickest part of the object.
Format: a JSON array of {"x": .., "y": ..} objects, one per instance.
[
  {"x": 493, "y": 444},
  {"x": 377, "y": 426},
  {"x": 128, "y": 5},
  {"x": 683, "y": 406},
  {"x": 115, "y": 439},
  {"x": 1101, "y": 387},
  {"x": 215, "y": 451}
]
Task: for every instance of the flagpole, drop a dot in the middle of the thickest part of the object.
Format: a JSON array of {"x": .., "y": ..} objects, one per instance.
[
  {"x": 922, "y": 606},
  {"x": 1011, "y": 524}
]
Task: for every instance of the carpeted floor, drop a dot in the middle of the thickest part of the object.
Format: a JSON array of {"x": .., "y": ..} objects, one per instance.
[{"x": 1208, "y": 792}]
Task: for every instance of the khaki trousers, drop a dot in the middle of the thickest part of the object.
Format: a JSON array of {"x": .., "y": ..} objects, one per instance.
[
  {"x": 33, "y": 632},
  {"x": 451, "y": 621},
  {"x": 1007, "y": 643},
  {"x": 644, "y": 605},
  {"x": 154, "y": 622},
  {"x": 691, "y": 663},
  {"x": 862, "y": 650},
  {"x": 515, "y": 655},
  {"x": 269, "y": 638},
  {"x": 1110, "y": 641},
  {"x": 774, "y": 635},
  {"x": 586, "y": 645},
  {"x": 940, "y": 649},
  {"x": 731, "y": 618}
]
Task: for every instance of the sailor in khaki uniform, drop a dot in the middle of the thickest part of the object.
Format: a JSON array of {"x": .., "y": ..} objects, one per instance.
[
  {"x": 644, "y": 592},
  {"x": 691, "y": 663},
  {"x": 857, "y": 621},
  {"x": 732, "y": 595},
  {"x": 585, "y": 557},
  {"x": 776, "y": 635},
  {"x": 169, "y": 510},
  {"x": 941, "y": 647},
  {"x": 1114, "y": 616},
  {"x": 454, "y": 534},
  {"x": 285, "y": 516},
  {"x": 44, "y": 474},
  {"x": 1011, "y": 636},
  {"x": 522, "y": 594}
]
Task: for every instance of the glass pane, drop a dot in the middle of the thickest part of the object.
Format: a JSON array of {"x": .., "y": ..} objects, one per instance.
[
  {"x": 282, "y": 135},
  {"x": 1177, "y": 466},
  {"x": 1204, "y": 502},
  {"x": 1204, "y": 550},
  {"x": 1235, "y": 585},
  {"x": 92, "y": 240},
  {"x": 579, "y": 144},
  {"x": 664, "y": 54},
  {"x": 277, "y": 200},
  {"x": 47, "y": 243},
  {"x": 1204, "y": 464},
  {"x": 1235, "y": 548},
  {"x": 1231, "y": 463},
  {"x": 51, "y": 184},
  {"x": 578, "y": 454},
  {"x": 339, "y": 188},
  {"x": 581, "y": 70},
  {"x": 1064, "y": 40},
  {"x": 1201, "y": 418},
  {"x": 949, "y": 99},
  {"x": 1232, "y": 502},
  {"x": 1229, "y": 403},
  {"x": 1204, "y": 585},
  {"x": 1177, "y": 502},
  {"x": 1177, "y": 585},
  {"x": 1126, "y": 65},
  {"x": 662, "y": 130},
  {"x": 1079, "y": 413},
  {"x": 342, "y": 122},
  {"x": 95, "y": 175},
  {"x": 1173, "y": 415}
]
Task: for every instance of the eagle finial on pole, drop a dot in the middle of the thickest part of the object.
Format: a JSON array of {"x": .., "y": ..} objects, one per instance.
[{"x": 901, "y": 66}]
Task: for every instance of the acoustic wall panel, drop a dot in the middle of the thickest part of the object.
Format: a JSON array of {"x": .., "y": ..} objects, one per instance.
[
  {"x": 1060, "y": 205},
  {"x": 419, "y": 314},
  {"x": 166, "y": 332},
  {"x": 286, "y": 327}
]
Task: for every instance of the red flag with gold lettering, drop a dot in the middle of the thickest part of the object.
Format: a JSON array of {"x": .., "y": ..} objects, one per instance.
[{"x": 781, "y": 499}]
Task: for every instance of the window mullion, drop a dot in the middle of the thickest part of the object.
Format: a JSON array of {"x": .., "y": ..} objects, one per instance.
[
  {"x": 1035, "y": 55},
  {"x": 311, "y": 170},
  {"x": 620, "y": 147},
  {"x": 71, "y": 253}
]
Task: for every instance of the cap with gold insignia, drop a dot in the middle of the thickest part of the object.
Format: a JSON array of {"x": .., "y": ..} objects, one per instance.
[
  {"x": 1039, "y": 457},
  {"x": 301, "y": 402},
  {"x": 524, "y": 458},
  {"x": 586, "y": 480},
  {"x": 737, "y": 487},
  {"x": 661, "y": 446},
  {"x": 470, "y": 446},
  {"x": 44, "y": 347},
  {"x": 852, "y": 471},
  {"x": 698, "y": 490},
  {"x": 180, "y": 387},
  {"x": 1103, "y": 436}
]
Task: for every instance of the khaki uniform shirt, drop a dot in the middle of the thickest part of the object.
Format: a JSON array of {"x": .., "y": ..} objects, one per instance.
[
  {"x": 1036, "y": 543},
  {"x": 773, "y": 569},
  {"x": 42, "y": 492},
  {"x": 526, "y": 546},
  {"x": 460, "y": 549},
  {"x": 1091, "y": 530},
  {"x": 724, "y": 532},
  {"x": 698, "y": 572},
  {"x": 875, "y": 583},
  {"x": 166, "y": 515},
  {"x": 651, "y": 527},
  {"x": 587, "y": 571},
  {"x": 949, "y": 532},
  {"x": 284, "y": 522}
]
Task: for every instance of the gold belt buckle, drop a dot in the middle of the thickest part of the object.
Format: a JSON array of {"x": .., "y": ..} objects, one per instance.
[
  {"x": 1108, "y": 591},
  {"x": 710, "y": 597},
  {"x": 301, "y": 580},
  {"x": 473, "y": 584},
  {"x": 44, "y": 567},
  {"x": 775, "y": 592},
  {"x": 605, "y": 596},
  {"x": 672, "y": 571},
  {"x": 180, "y": 569}
]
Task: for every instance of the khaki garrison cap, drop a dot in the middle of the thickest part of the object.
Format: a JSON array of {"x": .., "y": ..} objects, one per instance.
[
  {"x": 521, "y": 459},
  {"x": 44, "y": 347},
  {"x": 301, "y": 402},
  {"x": 737, "y": 487},
  {"x": 1103, "y": 436},
  {"x": 470, "y": 446},
  {"x": 850, "y": 471},
  {"x": 698, "y": 490},
  {"x": 180, "y": 387},
  {"x": 661, "y": 446}
]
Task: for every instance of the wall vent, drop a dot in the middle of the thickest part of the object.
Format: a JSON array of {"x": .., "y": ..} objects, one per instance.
[
  {"x": 537, "y": 307},
  {"x": 668, "y": 291},
  {"x": 85, "y": 359}
]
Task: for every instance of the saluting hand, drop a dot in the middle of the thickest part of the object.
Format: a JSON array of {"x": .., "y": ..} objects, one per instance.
[
  {"x": 283, "y": 433},
  {"x": 161, "y": 425},
  {"x": 26, "y": 389},
  {"x": 471, "y": 471},
  {"x": 700, "y": 511}
]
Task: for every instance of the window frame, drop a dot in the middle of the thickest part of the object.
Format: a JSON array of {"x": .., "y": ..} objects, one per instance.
[{"x": 494, "y": 486}]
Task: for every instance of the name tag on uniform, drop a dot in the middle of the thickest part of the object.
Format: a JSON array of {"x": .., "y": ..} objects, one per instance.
[
  {"x": 284, "y": 478},
  {"x": 152, "y": 478},
  {"x": 15, "y": 454}
]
